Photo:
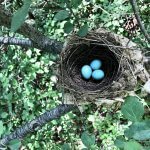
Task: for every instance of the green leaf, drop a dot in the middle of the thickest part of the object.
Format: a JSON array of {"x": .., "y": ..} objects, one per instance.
[
  {"x": 132, "y": 145},
  {"x": 83, "y": 31},
  {"x": 119, "y": 142},
  {"x": 147, "y": 148},
  {"x": 132, "y": 109},
  {"x": 20, "y": 15},
  {"x": 68, "y": 27},
  {"x": 1, "y": 128},
  {"x": 142, "y": 135},
  {"x": 14, "y": 144},
  {"x": 87, "y": 139},
  {"x": 61, "y": 15},
  {"x": 76, "y": 3},
  {"x": 139, "y": 130},
  {"x": 4, "y": 115},
  {"x": 65, "y": 147}
]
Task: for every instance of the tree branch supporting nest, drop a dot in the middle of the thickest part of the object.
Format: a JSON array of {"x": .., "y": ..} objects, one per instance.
[
  {"x": 137, "y": 15},
  {"x": 39, "y": 40},
  {"x": 38, "y": 122},
  {"x": 15, "y": 41}
]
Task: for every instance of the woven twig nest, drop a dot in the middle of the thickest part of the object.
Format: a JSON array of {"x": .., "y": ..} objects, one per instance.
[{"x": 122, "y": 65}]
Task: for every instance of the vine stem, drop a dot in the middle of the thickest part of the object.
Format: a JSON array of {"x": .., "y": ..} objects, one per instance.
[{"x": 137, "y": 15}]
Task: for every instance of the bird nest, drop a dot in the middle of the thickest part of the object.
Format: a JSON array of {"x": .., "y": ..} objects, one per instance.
[{"x": 120, "y": 62}]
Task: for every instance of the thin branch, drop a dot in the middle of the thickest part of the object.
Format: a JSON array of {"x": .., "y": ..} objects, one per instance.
[
  {"x": 39, "y": 40},
  {"x": 37, "y": 123},
  {"x": 15, "y": 41},
  {"x": 137, "y": 15}
]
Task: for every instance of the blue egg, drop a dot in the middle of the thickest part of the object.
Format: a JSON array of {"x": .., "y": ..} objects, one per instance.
[
  {"x": 86, "y": 72},
  {"x": 96, "y": 64},
  {"x": 98, "y": 74}
]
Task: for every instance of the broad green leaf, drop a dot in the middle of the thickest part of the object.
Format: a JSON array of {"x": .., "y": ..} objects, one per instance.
[
  {"x": 68, "y": 27},
  {"x": 83, "y": 31},
  {"x": 4, "y": 115},
  {"x": 1, "y": 128},
  {"x": 76, "y": 3},
  {"x": 61, "y": 15},
  {"x": 147, "y": 148},
  {"x": 132, "y": 109},
  {"x": 65, "y": 147},
  {"x": 87, "y": 139},
  {"x": 139, "y": 130},
  {"x": 119, "y": 142},
  {"x": 20, "y": 15},
  {"x": 132, "y": 145},
  {"x": 142, "y": 135},
  {"x": 14, "y": 144}
]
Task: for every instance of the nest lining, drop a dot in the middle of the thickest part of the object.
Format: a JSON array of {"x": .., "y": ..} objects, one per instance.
[{"x": 84, "y": 54}]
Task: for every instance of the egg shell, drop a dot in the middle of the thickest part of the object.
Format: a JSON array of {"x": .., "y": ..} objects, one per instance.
[
  {"x": 86, "y": 72},
  {"x": 96, "y": 64},
  {"x": 98, "y": 74}
]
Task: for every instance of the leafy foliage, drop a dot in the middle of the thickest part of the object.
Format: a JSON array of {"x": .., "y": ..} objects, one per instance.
[
  {"x": 133, "y": 110},
  {"x": 65, "y": 147},
  {"x": 75, "y": 3},
  {"x": 139, "y": 130},
  {"x": 19, "y": 16},
  {"x": 62, "y": 15},
  {"x": 87, "y": 139},
  {"x": 68, "y": 27},
  {"x": 83, "y": 30},
  {"x": 132, "y": 145},
  {"x": 14, "y": 145},
  {"x": 119, "y": 142}
]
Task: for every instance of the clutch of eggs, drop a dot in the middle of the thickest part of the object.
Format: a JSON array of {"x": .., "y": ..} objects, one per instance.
[{"x": 93, "y": 70}]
